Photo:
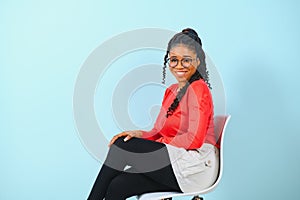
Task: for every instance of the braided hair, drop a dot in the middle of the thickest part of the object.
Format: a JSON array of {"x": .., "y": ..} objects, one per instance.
[{"x": 189, "y": 38}]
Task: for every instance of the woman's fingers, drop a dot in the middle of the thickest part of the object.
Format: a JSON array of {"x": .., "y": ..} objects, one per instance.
[
  {"x": 128, "y": 137},
  {"x": 128, "y": 134}
]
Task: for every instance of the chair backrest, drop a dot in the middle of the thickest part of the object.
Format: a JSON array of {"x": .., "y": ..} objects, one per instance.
[{"x": 220, "y": 124}]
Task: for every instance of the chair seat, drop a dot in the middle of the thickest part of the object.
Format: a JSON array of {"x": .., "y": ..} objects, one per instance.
[
  {"x": 164, "y": 195},
  {"x": 157, "y": 195}
]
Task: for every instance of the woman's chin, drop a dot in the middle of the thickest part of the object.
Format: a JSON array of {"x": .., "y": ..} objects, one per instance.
[{"x": 181, "y": 80}]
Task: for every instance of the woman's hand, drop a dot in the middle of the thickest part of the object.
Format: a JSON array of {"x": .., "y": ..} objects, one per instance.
[{"x": 128, "y": 134}]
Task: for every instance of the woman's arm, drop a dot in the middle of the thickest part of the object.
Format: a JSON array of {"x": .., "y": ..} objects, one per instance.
[{"x": 151, "y": 135}]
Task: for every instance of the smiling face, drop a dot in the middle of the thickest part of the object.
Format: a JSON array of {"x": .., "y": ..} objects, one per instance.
[{"x": 187, "y": 63}]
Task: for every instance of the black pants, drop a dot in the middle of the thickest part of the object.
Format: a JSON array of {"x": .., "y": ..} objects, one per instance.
[{"x": 150, "y": 170}]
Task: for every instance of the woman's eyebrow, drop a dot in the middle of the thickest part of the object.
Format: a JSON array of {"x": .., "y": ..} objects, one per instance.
[{"x": 184, "y": 56}]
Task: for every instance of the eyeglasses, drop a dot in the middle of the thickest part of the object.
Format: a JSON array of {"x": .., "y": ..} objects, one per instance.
[{"x": 185, "y": 62}]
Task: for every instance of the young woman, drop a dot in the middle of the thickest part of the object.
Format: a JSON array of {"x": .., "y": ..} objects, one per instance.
[{"x": 180, "y": 152}]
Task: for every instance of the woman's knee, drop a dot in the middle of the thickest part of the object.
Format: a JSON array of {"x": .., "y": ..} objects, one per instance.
[
  {"x": 120, "y": 141},
  {"x": 130, "y": 145}
]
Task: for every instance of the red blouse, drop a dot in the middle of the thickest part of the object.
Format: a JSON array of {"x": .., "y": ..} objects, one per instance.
[{"x": 191, "y": 124}]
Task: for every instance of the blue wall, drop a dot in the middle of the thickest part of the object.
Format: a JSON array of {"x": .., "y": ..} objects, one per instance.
[{"x": 254, "y": 44}]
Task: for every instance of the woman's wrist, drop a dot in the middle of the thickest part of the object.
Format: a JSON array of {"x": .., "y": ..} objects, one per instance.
[{"x": 138, "y": 133}]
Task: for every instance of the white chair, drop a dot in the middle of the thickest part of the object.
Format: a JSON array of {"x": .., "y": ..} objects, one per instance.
[{"x": 220, "y": 123}]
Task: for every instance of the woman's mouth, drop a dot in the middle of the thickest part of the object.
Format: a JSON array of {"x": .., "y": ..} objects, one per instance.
[{"x": 180, "y": 73}]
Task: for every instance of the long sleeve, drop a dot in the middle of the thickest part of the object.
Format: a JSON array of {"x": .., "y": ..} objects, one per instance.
[
  {"x": 200, "y": 109},
  {"x": 153, "y": 134}
]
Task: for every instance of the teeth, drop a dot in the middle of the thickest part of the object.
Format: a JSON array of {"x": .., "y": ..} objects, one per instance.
[{"x": 180, "y": 73}]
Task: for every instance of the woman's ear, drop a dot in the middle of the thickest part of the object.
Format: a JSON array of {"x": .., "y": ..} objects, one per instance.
[{"x": 198, "y": 61}]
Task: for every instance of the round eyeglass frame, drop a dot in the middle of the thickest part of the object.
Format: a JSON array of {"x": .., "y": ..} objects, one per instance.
[{"x": 183, "y": 64}]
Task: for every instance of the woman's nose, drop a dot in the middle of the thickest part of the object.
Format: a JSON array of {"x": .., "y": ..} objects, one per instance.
[{"x": 179, "y": 65}]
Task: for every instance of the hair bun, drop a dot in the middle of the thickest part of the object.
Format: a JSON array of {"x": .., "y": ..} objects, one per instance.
[{"x": 192, "y": 33}]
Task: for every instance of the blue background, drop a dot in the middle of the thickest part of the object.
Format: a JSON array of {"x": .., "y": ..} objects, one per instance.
[{"x": 254, "y": 44}]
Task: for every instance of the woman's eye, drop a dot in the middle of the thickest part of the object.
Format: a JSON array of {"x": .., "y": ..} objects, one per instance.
[
  {"x": 187, "y": 60},
  {"x": 174, "y": 60}
]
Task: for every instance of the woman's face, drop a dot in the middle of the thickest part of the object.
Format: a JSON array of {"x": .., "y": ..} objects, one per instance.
[{"x": 183, "y": 63}]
